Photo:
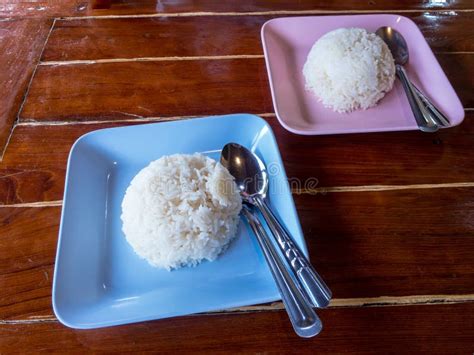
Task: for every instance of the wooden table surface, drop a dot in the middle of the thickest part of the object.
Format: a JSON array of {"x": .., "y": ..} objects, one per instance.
[{"x": 390, "y": 224}]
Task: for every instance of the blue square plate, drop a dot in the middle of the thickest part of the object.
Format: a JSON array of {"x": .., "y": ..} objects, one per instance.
[{"x": 98, "y": 279}]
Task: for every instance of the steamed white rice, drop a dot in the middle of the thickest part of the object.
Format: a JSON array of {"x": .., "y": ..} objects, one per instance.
[
  {"x": 180, "y": 210},
  {"x": 349, "y": 69}
]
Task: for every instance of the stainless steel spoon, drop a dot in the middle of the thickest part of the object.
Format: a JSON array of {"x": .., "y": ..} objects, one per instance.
[
  {"x": 397, "y": 45},
  {"x": 433, "y": 111},
  {"x": 302, "y": 316},
  {"x": 252, "y": 180}
]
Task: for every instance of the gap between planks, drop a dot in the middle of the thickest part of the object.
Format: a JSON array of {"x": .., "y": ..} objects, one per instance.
[
  {"x": 136, "y": 119},
  {"x": 27, "y": 90},
  {"x": 320, "y": 190},
  {"x": 369, "y": 188},
  {"x": 151, "y": 59},
  {"x": 383, "y": 301},
  {"x": 56, "y": 203},
  {"x": 266, "y": 13},
  {"x": 171, "y": 59}
]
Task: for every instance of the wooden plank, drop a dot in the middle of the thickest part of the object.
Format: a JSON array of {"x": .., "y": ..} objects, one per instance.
[
  {"x": 47, "y": 8},
  {"x": 397, "y": 158},
  {"x": 35, "y": 161},
  {"x": 21, "y": 43},
  {"x": 391, "y": 242},
  {"x": 155, "y": 37},
  {"x": 447, "y": 37},
  {"x": 231, "y": 35},
  {"x": 89, "y": 92},
  {"x": 101, "y": 4},
  {"x": 463, "y": 84},
  {"x": 173, "y": 88},
  {"x": 364, "y": 244},
  {"x": 34, "y": 165},
  {"x": 152, "y": 7},
  {"x": 441, "y": 329},
  {"x": 27, "y": 250}
]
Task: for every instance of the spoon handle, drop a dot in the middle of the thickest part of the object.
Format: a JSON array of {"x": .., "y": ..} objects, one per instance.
[
  {"x": 317, "y": 291},
  {"x": 303, "y": 318},
  {"x": 439, "y": 117},
  {"x": 419, "y": 111}
]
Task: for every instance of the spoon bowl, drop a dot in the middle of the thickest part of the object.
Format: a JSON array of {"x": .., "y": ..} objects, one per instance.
[
  {"x": 248, "y": 170},
  {"x": 396, "y": 43}
]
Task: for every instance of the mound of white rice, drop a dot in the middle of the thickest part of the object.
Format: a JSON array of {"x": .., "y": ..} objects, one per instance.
[
  {"x": 349, "y": 69},
  {"x": 180, "y": 210}
]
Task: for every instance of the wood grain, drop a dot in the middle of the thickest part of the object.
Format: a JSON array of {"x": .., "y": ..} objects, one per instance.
[
  {"x": 85, "y": 92},
  {"x": 231, "y": 35},
  {"x": 21, "y": 43},
  {"x": 397, "y": 158},
  {"x": 35, "y": 162},
  {"x": 364, "y": 244},
  {"x": 155, "y": 37},
  {"x": 27, "y": 251},
  {"x": 169, "y": 6},
  {"x": 447, "y": 36},
  {"x": 175, "y": 88},
  {"x": 42, "y": 8},
  {"x": 101, "y": 4},
  {"x": 419, "y": 238},
  {"x": 458, "y": 70},
  {"x": 443, "y": 329},
  {"x": 34, "y": 166},
  {"x": 45, "y": 8}
]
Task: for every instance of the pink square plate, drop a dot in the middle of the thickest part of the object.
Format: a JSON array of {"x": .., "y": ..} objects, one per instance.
[{"x": 286, "y": 43}]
